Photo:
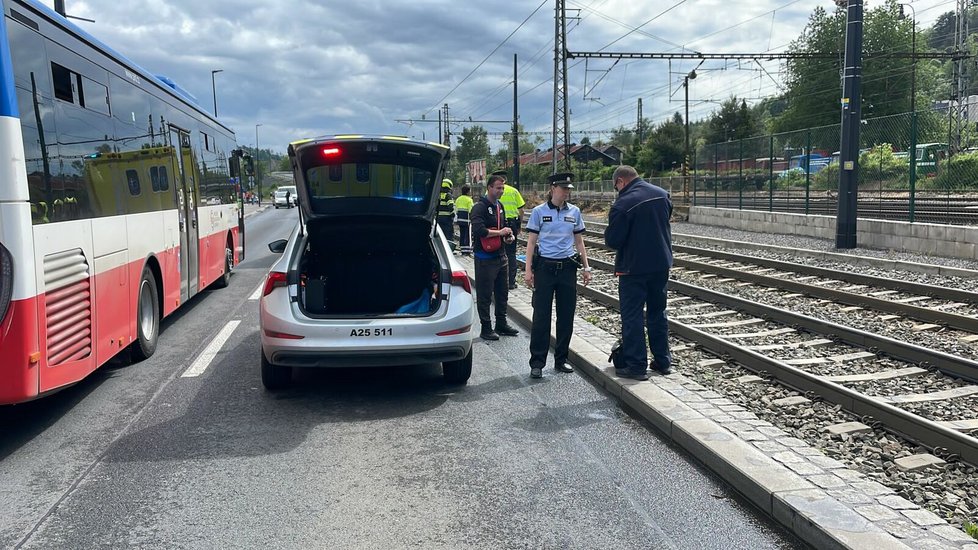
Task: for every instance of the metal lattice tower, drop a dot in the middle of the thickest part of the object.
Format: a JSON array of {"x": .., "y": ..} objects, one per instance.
[{"x": 561, "y": 127}]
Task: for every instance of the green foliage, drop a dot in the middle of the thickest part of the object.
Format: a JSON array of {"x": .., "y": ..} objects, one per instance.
[
  {"x": 971, "y": 529},
  {"x": 663, "y": 149},
  {"x": 733, "y": 121},
  {"x": 879, "y": 168},
  {"x": 958, "y": 173}
]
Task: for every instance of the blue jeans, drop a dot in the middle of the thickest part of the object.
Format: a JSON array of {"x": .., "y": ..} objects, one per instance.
[{"x": 636, "y": 292}]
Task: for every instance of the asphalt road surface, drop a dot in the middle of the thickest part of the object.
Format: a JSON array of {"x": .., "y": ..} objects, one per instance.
[{"x": 140, "y": 456}]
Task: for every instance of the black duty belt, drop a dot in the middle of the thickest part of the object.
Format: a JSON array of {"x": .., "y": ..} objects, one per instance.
[{"x": 559, "y": 264}]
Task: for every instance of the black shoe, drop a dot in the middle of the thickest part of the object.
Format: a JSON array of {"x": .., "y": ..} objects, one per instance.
[
  {"x": 563, "y": 367},
  {"x": 622, "y": 373},
  {"x": 489, "y": 335},
  {"x": 506, "y": 330},
  {"x": 536, "y": 372},
  {"x": 655, "y": 366}
]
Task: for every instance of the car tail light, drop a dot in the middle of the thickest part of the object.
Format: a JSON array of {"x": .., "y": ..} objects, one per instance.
[
  {"x": 331, "y": 151},
  {"x": 274, "y": 280},
  {"x": 6, "y": 280},
  {"x": 462, "y": 330},
  {"x": 285, "y": 335},
  {"x": 461, "y": 278}
]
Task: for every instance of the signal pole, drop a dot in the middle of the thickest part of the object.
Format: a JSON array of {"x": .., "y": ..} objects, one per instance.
[
  {"x": 516, "y": 128},
  {"x": 845, "y": 224}
]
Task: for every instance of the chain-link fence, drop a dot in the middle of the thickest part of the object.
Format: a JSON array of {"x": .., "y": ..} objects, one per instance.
[{"x": 914, "y": 166}]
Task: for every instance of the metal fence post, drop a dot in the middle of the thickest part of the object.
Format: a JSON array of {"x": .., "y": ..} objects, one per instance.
[
  {"x": 808, "y": 173},
  {"x": 740, "y": 177},
  {"x": 913, "y": 164},
  {"x": 716, "y": 178},
  {"x": 770, "y": 177}
]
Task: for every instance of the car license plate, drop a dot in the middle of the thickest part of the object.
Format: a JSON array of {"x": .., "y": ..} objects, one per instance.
[{"x": 363, "y": 332}]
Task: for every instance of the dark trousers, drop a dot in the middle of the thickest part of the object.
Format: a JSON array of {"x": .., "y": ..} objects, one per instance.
[
  {"x": 634, "y": 293},
  {"x": 490, "y": 281},
  {"x": 464, "y": 237},
  {"x": 552, "y": 279},
  {"x": 513, "y": 224},
  {"x": 448, "y": 228}
]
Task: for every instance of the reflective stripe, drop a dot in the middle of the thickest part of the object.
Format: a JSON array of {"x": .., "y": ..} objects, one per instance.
[{"x": 463, "y": 203}]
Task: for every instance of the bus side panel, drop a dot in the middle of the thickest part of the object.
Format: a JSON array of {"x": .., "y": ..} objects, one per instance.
[
  {"x": 155, "y": 234},
  {"x": 114, "y": 326},
  {"x": 52, "y": 240},
  {"x": 19, "y": 331},
  {"x": 215, "y": 223}
]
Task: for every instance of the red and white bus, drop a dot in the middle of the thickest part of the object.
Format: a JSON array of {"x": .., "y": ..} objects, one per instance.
[{"x": 117, "y": 203}]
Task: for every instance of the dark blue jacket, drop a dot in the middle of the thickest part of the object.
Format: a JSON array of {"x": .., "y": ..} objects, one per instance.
[{"x": 638, "y": 229}]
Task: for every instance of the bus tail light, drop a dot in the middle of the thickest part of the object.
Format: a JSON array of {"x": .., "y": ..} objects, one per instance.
[
  {"x": 461, "y": 278},
  {"x": 274, "y": 280},
  {"x": 6, "y": 281}
]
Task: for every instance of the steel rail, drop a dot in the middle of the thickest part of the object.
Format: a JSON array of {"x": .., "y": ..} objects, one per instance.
[{"x": 916, "y": 428}]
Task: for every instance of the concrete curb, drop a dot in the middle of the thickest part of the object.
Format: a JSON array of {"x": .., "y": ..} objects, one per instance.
[
  {"x": 804, "y": 509},
  {"x": 260, "y": 209}
]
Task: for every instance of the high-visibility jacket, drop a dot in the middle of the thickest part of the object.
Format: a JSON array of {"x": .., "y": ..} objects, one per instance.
[
  {"x": 446, "y": 206},
  {"x": 512, "y": 201},
  {"x": 463, "y": 205}
]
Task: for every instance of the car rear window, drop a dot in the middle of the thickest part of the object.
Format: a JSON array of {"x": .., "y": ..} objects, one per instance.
[{"x": 366, "y": 179}]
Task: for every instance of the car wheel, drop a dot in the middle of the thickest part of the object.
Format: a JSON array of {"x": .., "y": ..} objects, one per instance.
[
  {"x": 225, "y": 278},
  {"x": 274, "y": 377},
  {"x": 147, "y": 318},
  {"x": 458, "y": 372}
]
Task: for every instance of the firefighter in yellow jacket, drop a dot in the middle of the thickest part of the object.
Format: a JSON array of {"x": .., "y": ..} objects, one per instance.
[{"x": 446, "y": 210}]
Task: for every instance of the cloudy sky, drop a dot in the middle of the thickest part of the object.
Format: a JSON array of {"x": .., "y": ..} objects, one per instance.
[{"x": 310, "y": 67}]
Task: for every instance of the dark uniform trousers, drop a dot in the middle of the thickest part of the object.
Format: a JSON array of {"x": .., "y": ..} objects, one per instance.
[
  {"x": 464, "y": 232},
  {"x": 552, "y": 278},
  {"x": 634, "y": 292},
  {"x": 514, "y": 224},
  {"x": 490, "y": 281},
  {"x": 448, "y": 228}
]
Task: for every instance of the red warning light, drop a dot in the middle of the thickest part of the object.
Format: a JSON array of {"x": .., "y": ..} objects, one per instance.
[{"x": 331, "y": 151}]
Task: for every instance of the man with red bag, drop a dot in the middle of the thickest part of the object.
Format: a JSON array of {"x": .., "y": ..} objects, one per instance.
[{"x": 489, "y": 233}]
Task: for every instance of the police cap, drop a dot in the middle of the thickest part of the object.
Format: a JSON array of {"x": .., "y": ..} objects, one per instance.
[{"x": 562, "y": 179}]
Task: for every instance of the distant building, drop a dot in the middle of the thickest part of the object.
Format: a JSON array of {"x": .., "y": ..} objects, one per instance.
[{"x": 580, "y": 153}]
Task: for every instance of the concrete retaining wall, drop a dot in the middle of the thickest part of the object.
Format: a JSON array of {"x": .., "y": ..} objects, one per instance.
[{"x": 952, "y": 241}]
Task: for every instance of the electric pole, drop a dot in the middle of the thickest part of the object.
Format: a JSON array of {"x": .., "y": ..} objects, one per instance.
[
  {"x": 640, "y": 127},
  {"x": 845, "y": 224},
  {"x": 447, "y": 141},
  {"x": 561, "y": 127},
  {"x": 516, "y": 129}
]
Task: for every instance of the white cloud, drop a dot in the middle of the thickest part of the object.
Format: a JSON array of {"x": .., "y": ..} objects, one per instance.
[{"x": 306, "y": 67}]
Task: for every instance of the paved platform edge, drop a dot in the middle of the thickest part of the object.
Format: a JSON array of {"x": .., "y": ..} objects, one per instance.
[{"x": 817, "y": 505}]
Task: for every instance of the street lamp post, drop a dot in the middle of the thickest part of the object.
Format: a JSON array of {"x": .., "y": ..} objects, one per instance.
[
  {"x": 257, "y": 164},
  {"x": 214, "y": 88},
  {"x": 913, "y": 110}
]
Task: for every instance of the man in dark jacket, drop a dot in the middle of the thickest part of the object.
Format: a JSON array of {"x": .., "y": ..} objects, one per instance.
[
  {"x": 639, "y": 231},
  {"x": 488, "y": 219}
]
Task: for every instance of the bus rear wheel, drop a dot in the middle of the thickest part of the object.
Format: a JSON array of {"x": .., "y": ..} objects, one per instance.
[
  {"x": 147, "y": 318},
  {"x": 225, "y": 278}
]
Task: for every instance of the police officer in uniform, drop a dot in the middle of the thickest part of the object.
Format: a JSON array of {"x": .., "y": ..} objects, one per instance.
[
  {"x": 446, "y": 211},
  {"x": 487, "y": 219},
  {"x": 463, "y": 204},
  {"x": 556, "y": 229},
  {"x": 513, "y": 202}
]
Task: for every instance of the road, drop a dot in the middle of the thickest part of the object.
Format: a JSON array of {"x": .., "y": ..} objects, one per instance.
[{"x": 140, "y": 456}]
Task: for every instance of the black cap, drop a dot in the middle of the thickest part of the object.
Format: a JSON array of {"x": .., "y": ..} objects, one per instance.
[
  {"x": 499, "y": 173},
  {"x": 563, "y": 179}
]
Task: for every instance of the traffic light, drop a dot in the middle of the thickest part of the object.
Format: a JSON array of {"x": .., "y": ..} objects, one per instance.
[{"x": 249, "y": 165}]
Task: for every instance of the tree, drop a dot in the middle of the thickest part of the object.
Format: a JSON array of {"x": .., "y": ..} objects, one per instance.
[
  {"x": 733, "y": 121},
  {"x": 664, "y": 148},
  {"x": 473, "y": 144},
  {"x": 814, "y": 86}
]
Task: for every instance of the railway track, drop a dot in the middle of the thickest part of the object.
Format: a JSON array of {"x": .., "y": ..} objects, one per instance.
[{"x": 861, "y": 371}]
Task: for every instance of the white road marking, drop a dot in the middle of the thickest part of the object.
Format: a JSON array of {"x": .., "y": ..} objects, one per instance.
[
  {"x": 210, "y": 352},
  {"x": 257, "y": 293}
]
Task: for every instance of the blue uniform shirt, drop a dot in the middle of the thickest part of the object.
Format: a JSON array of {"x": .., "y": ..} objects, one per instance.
[{"x": 556, "y": 229}]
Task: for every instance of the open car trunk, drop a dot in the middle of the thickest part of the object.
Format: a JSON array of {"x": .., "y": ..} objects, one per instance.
[{"x": 364, "y": 266}]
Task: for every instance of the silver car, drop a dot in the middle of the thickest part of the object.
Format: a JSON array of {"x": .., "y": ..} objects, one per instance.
[
  {"x": 366, "y": 278},
  {"x": 285, "y": 197}
]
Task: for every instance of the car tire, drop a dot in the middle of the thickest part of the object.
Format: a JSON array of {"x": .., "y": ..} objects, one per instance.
[
  {"x": 458, "y": 372},
  {"x": 274, "y": 377},
  {"x": 147, "y": 318},
  {"x": 225, "y": 278}
]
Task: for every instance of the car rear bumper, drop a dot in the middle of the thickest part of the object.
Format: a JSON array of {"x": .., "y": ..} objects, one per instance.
[{"x": 368, "y": 358}]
